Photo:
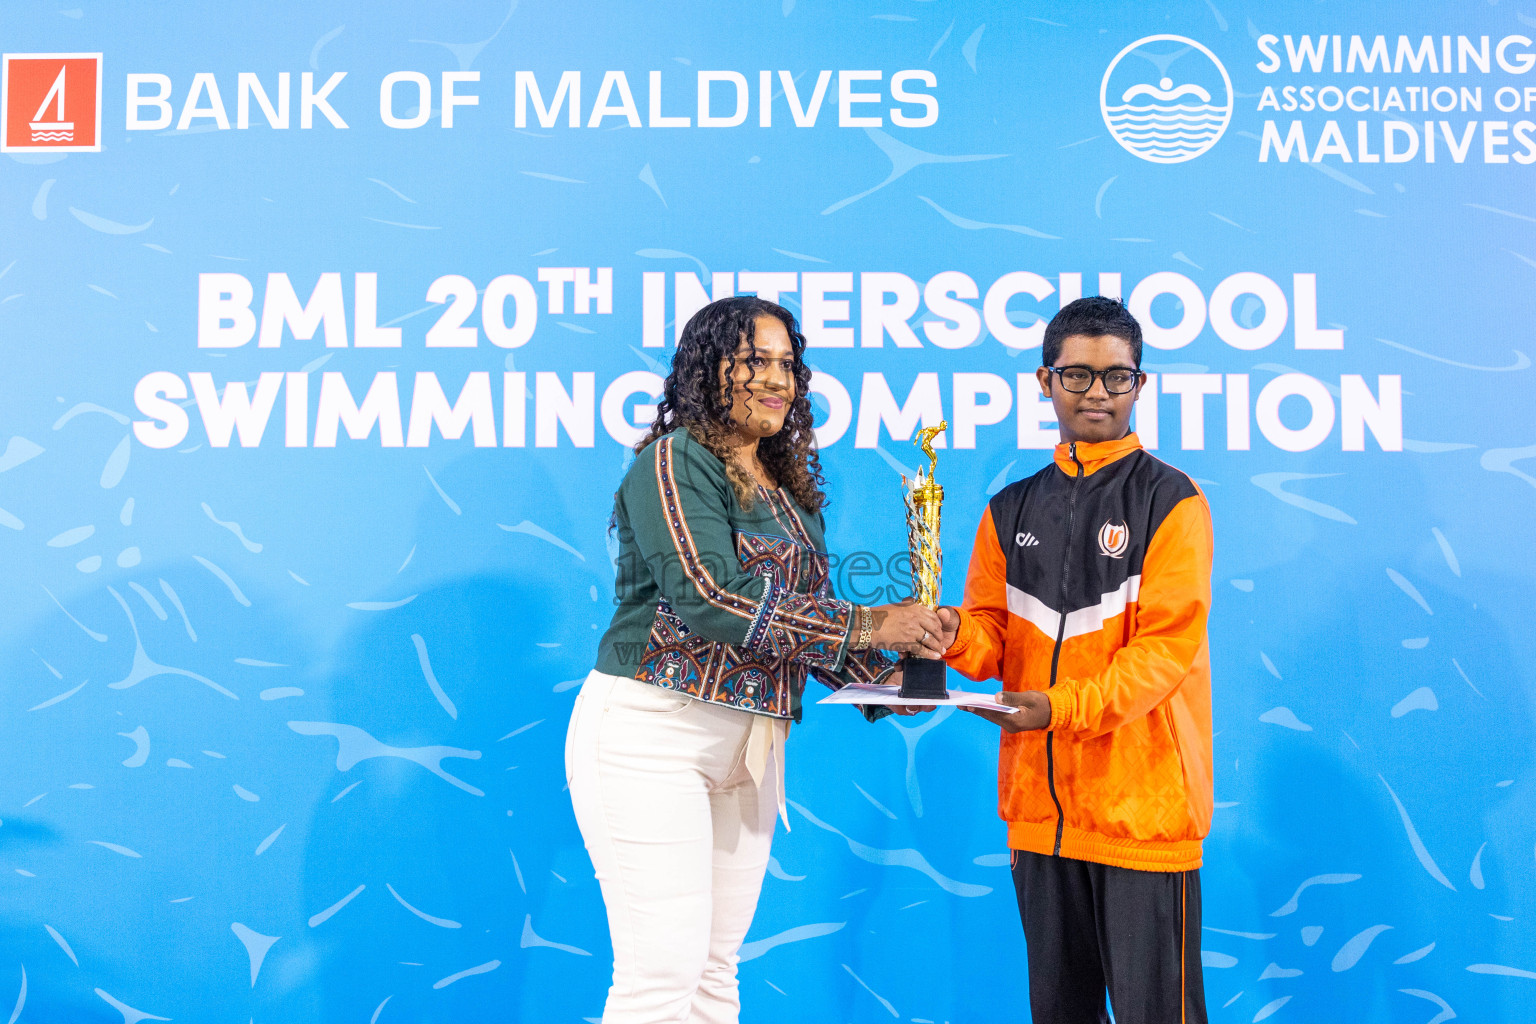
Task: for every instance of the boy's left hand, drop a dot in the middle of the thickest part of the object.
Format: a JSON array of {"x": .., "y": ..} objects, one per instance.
[{"x": 1034, "y": 711}]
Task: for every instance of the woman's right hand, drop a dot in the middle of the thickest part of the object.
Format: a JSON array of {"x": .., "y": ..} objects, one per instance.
[{"x": 909, "y": 628}]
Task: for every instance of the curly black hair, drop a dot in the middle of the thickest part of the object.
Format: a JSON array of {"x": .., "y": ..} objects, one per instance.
[
  {"x": 695, "y": 397},
  {"x": 1094, "y": 317}
]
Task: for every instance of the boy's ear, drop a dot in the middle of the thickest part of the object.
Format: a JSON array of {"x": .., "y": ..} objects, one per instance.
[{"x": 1044, "y": 377}]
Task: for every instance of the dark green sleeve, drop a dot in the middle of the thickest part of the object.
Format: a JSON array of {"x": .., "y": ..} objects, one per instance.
[
  {"x": 679, "y": 502},
  {"x": 867, "y": 666}
]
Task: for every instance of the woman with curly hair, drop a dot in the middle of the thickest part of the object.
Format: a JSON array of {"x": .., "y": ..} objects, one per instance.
[{"x": 675, "y": 753}]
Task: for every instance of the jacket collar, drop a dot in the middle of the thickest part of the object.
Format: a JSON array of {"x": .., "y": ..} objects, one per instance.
[{"x": 1095, "y": 456}]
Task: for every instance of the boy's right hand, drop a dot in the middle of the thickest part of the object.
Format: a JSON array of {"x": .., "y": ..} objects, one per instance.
[{"x": 949, "y": 617}]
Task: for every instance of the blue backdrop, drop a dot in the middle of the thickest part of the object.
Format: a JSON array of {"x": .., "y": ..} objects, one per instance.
[{"x": 282, "y": 720}]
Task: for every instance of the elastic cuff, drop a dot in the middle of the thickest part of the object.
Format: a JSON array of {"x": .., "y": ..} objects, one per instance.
[{"x": 1062, "y": 703}]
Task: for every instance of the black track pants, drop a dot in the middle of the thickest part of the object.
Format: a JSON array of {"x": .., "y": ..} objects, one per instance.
[{"x": 1091, "y": 928}]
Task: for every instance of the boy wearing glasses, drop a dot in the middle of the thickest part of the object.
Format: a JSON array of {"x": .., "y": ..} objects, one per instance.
[{"x": 1087, "y": 595}]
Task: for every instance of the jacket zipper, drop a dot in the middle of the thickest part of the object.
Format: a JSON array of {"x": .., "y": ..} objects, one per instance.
[{"x": 1061, "y": 629}]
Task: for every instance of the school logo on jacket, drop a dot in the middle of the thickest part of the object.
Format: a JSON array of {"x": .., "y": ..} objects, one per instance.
[{"x": 1114, "y": 538}]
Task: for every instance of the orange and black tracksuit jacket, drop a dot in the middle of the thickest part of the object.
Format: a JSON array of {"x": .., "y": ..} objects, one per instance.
[{"x": 1091, "y": 580}]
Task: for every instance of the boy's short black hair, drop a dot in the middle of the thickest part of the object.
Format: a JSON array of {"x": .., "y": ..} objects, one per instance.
[{"x": 1092, "y": 317}]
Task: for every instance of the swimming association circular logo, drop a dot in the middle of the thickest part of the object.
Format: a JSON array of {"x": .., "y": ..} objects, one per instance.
[{"x": 1166, "y": 99}]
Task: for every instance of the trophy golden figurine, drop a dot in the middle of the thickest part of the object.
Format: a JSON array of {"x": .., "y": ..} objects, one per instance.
[{"x": 924, "y": 677}]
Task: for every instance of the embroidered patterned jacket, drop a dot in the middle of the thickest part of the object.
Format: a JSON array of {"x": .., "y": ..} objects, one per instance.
[{"x": 727, "y": 605}]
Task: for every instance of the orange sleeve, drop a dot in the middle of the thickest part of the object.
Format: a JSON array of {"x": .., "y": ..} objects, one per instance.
[
  {"x": 1174, "y": 602},
  {"x": 977, "y": 652}
]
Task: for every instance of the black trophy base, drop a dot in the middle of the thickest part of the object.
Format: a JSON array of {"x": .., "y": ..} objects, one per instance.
[{"x": 923, "y": 679}]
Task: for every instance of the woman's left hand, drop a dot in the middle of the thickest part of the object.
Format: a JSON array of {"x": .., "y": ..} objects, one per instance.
[{"x": 906, "y": 709}]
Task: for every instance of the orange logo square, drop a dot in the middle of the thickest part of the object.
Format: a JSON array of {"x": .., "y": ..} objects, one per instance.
[{"x": 50, "y": 102}]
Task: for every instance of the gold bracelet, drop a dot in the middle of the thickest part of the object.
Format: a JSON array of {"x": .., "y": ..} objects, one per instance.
[{"x": 866, "y": 628}]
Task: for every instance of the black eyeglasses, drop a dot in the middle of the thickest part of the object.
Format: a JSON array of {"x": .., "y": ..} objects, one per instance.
[{"x": 1117, "y": 379}]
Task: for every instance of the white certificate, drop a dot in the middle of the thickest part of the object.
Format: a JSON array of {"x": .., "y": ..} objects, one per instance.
[{"x": 860, "y": 693}]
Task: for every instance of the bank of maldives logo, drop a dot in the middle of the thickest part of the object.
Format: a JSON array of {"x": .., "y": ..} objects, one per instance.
[
  {"x": 1166, "y": 99},
  {"x": 50, "y": 102}
]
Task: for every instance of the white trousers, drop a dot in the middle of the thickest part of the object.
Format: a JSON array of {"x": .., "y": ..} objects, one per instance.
[{"x": 676, "y": 800}]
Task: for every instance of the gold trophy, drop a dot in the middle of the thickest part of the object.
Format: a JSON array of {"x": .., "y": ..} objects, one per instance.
[{"x": 924, "y": 677}]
